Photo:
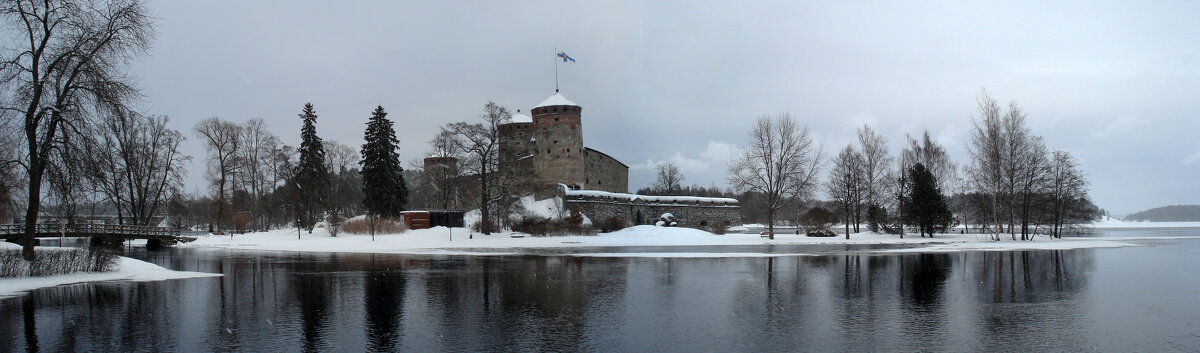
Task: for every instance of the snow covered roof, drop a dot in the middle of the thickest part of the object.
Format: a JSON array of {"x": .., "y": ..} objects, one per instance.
[
  {"x": 521, "y": 118},
  {"x": 556, "y": 99},
  {"x": 653, "y": 199}
]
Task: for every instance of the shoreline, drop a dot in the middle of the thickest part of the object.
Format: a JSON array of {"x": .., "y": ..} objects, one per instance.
[
  {"x": 129, "y": 269},
  {"x": 437, "y": 241}
]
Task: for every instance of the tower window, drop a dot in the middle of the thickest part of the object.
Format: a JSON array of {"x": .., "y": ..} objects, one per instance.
[
  {"x": 547, "y": 150},
  {"x": 568, "y": 150},
  {"x": 555, "y": 119},
  {"x": 556, "y": 142}
]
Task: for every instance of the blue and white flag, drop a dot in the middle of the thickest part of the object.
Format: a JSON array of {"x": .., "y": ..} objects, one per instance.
[{"x": 564, "y": 56}]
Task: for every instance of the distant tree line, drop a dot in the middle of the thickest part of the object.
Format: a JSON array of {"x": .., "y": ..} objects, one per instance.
[
  {"x": 1013, "y": 183},
  {"x": 1176, "y": 213}
]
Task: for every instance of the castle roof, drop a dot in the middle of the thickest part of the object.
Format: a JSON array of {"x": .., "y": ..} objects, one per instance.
[
  {"x": 556, "y": 99},
  {"x": 521, "y": 118}
]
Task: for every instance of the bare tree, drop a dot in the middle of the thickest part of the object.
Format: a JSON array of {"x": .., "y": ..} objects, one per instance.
[
  {"x": 934, "y": 157},
  {"x": 875, "y": 166},
  {"x": 222, "y": 139},
  {"x": 10, "y": 179},
  {"x": 257, "y": 146},
  {"x": 669, "y": 180},
  {"x": 138, "y": 166},
  {"x": 1033, "y": 182},
  {"x": 65, "y": 62},
  {"x": 1068, "y": 190},
  {"x": 1016, "y": 139},
  {"x": 847, "y": 184},
  {"x": 780, "y": 161},
  {"x": 899, "y": 185},
  {"x": 480, "y": 142},
  {"x": 282, "y": 163},
  {"x": 987, "y": 149},
  {"x": 339, "y": 159},
  {"x": 440, "y": 179}
]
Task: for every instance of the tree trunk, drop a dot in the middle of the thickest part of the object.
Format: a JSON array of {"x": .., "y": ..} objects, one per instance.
[
  {"x": 847, "y": 225},
  {"x": 485, "y": 221},
  {"x": 771, "y": 224},
  {"x": 31, "y": 213},
  {"x": 221, "y": 199}
]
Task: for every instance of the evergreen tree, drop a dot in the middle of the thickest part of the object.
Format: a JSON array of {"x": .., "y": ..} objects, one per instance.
[
  {"x": 311, "y": 177},
  {"x": 382, "y": 176},
  {"x": 928, "y": 210}
]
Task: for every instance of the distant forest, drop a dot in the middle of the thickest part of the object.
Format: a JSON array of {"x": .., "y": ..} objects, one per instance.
[{"x": 1177, "y": 213}]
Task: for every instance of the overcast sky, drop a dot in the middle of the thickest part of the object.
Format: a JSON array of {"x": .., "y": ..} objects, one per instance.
[{"x": 1114, "y": 83}]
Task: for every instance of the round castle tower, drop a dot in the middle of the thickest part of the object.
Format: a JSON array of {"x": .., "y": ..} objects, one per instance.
[
  {"x": 558, "y": 142},
  {"x": 517, "y": 146}
]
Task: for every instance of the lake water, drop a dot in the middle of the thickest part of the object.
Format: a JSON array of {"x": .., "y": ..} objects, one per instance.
[{"x": 1123, "y": 299}]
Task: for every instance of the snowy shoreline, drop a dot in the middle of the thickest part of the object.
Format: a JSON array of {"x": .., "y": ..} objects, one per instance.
[
  {"x": 129, "y": 270},
  {"x": 437, "y": 241}
]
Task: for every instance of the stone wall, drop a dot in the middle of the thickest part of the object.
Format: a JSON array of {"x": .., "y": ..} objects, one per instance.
[
  {"x": 604, "y": 172},
  {"x": 639, "y": 210}
]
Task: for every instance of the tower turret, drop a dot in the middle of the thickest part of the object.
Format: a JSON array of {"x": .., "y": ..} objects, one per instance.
[{"x": 558, "y": 137}]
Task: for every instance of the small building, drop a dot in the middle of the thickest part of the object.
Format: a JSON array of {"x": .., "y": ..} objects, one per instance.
[{"x": 434, "y": 218}]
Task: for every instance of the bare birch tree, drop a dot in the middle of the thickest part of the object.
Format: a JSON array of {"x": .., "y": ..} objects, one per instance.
[
  {"x": 875, "y": 167},
  {"x": 987, "y": 148},
  {"x": 1014, "y": 159},
  {"x": 780, "y": 162}
]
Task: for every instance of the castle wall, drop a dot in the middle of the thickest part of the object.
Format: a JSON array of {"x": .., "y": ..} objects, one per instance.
[
  {"x": 638, "y": 209},
  {"x": 604, "y": 173}
]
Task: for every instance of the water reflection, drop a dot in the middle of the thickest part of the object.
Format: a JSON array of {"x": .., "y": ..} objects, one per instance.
[{"x": 351, "y": 302}]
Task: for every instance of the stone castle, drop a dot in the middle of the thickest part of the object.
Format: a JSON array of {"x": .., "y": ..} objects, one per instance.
[
  {"x": 548, "y": 148},
  {"x": 543, "y": 155}
]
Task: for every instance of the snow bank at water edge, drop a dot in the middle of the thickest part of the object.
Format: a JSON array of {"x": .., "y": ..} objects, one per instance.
[
  {"x": 128, "y": 270},
  {"x": 443, "y": 241},
  {"x": 1111, "y": 223}
]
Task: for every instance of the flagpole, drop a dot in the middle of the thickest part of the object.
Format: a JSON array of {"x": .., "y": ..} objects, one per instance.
[{"x": 555, "y": 69}]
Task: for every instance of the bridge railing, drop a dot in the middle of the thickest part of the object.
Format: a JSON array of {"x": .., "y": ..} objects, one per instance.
[{"x": 89, "y": 229}]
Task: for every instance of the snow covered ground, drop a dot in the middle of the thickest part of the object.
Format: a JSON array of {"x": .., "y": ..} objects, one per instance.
[
  {"x": 1113, "y": 223},
  {"x": 130, "y": 270},
  {"x": 441, "y": 241}
]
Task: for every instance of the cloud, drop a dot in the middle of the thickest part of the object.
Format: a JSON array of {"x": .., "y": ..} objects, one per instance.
[
  {"x": 1190, "y": 159},
  {"x": 715, "y": 154},
  {"x": 1121, "y": 125}
]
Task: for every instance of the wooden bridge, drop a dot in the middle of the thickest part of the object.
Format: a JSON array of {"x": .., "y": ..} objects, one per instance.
[{"x": 100, "y": 233}]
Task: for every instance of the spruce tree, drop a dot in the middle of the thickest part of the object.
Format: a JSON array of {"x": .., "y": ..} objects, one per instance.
[
  {"x": 311, "y": 177},
  {"x": 928, "y": 210},
  {"x": 382, "y": 177}
]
